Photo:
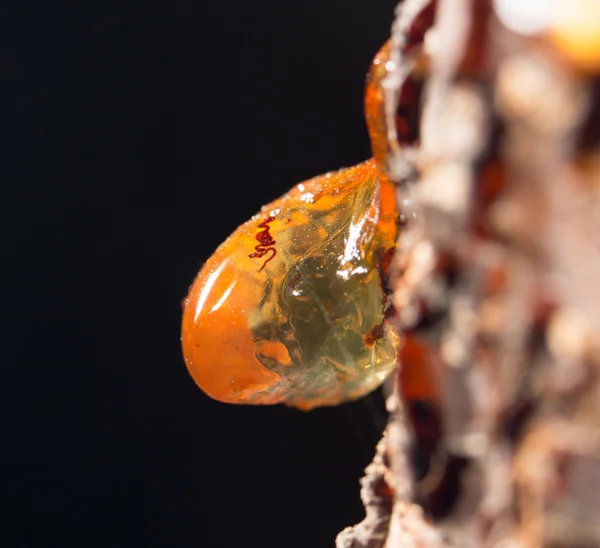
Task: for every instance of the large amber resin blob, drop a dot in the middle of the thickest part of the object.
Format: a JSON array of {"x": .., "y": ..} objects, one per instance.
[{"x": 290, "y": 308}]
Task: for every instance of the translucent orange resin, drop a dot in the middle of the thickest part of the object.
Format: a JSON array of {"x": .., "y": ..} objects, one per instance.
[{"x": 290, "y": 308}]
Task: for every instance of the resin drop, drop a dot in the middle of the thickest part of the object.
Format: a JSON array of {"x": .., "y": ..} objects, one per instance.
[{"x": 291, "y": 307}]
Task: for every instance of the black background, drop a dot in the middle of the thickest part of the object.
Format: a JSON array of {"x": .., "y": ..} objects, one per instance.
[{"x": 137, "y": 137}]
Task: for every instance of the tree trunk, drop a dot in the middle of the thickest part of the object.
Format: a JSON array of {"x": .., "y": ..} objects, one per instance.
[{"x": 494, "y": 430}]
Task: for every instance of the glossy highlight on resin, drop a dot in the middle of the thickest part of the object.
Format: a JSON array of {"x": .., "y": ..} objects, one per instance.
[{"x": 291, "y": 307}]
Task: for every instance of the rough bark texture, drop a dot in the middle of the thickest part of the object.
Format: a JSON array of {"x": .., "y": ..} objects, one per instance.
[{"x": 494, "y": 431}]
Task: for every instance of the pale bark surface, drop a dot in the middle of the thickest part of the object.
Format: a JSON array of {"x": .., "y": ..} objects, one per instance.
[{"x": 497, "y": 277}]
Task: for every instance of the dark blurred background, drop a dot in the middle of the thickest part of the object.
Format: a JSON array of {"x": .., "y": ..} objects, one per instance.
[{"x": 137, "y": 136}]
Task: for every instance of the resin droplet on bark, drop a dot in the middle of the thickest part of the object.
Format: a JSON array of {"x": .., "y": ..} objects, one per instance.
[{"x": 290, "y": 308}]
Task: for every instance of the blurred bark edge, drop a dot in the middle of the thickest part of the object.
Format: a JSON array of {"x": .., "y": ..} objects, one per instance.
[{"x": 494, "y": 430}]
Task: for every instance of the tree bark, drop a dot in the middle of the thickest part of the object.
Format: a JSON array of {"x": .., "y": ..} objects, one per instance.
[{"x": 494, "y": 430}]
